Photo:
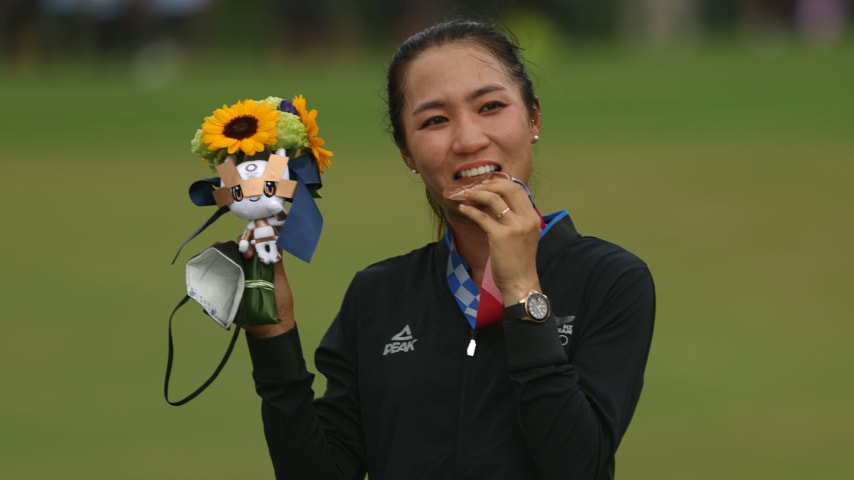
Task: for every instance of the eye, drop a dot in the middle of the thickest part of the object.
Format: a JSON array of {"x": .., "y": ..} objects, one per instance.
[
  {"x": 237, "y": 193},
  {"x": 270, "y": 188},
  {"x": 433, "y": 121},
  {"x": 490, "y": 106}
]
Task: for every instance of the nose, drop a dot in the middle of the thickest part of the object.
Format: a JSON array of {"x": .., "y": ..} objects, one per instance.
[{"x": 468, "y": 137}]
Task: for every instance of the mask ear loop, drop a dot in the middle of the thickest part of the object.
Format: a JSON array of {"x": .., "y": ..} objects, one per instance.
[{"x": 171, "y": 357}]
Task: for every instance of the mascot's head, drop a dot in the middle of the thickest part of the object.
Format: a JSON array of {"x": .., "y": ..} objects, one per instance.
[{"x": 255, "y": 188}]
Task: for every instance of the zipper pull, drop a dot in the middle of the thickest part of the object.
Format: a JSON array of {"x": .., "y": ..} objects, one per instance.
[{"x": 472, "y": 344}]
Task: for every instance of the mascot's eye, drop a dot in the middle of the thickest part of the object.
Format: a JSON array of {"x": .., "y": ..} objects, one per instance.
[
  {"x": 237, "y": 193},
  {"x": 270, "y": 188}
]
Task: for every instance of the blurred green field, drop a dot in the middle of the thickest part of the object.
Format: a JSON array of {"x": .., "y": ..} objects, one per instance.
[{"x": 729, "y": 169}]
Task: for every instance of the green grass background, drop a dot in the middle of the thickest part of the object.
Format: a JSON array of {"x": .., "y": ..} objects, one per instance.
[{"x": 727, "y": 168}]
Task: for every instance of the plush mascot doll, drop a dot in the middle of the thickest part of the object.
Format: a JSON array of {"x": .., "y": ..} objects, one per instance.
[
  {"x": 255, "y": 190},
  {"x": 267, "y": 154}
]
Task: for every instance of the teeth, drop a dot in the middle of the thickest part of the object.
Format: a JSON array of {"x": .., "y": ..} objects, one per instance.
[{"x": 473, "y": 172}]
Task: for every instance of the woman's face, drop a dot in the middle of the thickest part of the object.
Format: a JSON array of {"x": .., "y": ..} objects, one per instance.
[{"x": 464, "y": 116}]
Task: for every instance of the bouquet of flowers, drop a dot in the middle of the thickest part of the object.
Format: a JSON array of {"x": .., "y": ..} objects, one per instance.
[{"x": 267, "y": 154}]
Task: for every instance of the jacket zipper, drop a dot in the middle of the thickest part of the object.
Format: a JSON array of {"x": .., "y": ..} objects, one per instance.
[{"x": 463, "y": 389}]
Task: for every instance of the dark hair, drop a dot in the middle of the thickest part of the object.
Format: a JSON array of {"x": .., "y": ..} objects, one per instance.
[{"x": 487, "y": 36}]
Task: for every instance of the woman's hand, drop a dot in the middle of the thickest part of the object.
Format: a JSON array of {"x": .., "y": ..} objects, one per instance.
[
  {"x": 284, "y": 306},
  {"x": 503, "y": 210}
]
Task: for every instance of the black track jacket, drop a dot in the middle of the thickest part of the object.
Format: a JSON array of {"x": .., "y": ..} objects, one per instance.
[{"x": 405, "y": 400}]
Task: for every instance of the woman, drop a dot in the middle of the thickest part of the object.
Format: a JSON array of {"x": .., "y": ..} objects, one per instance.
[{"x": 538, "y": 377}]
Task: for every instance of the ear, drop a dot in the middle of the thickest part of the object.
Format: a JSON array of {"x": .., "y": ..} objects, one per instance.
[
  {"x": 407, "y": 159},
  {"x": 536, "y": 117}
]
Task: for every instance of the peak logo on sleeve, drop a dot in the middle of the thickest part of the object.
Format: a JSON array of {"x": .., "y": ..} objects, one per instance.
[
  {"x": 564, "y": 328},
  {"x": 402, "y": 341}
]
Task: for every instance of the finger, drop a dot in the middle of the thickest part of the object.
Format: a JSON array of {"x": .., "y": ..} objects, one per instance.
[
  {"x": 486, "y": 209},
  {"x": 512, "y": 194},
  {"x": 502, "y": 213},
  {"x": 480, "y": 215},
  {"x": 501, "y": 202}
]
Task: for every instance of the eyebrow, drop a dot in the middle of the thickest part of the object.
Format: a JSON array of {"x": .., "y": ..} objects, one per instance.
[{"x": 492, "y": 87}]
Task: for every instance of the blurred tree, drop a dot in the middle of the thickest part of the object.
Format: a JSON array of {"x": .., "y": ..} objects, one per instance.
[
  {"x": 660, "y": 22},
  {"x": 244, "y": 25},
  {"x": 583, "y": 19},
  {"x": 394, "y": 20},
  {"x": 720, "y": 16},
  {"x": 49, "y": 28},
  {"x": 822, "y": 23},
  {"x": 19, "y": 19}
]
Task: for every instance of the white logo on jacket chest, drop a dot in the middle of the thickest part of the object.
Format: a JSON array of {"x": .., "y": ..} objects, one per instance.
[
  {"x": 564, "y": 328},
  {"x": 403, "y": 341}
]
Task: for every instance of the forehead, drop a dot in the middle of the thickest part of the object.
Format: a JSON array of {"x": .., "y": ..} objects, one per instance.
[
  {"x": 252, "y": 169},
  {"x": 451, "y": 67}
]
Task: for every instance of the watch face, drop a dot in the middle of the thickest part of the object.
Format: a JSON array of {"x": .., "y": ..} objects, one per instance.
[{"x": 538, "y": 306}]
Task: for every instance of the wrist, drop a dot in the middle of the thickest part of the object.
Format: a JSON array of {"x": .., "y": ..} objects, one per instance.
[
  {"x": 519, "y": 291},
  {"x": 269, "y": 330}
]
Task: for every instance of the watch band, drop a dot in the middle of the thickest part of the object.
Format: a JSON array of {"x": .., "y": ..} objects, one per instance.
[{"x": 515, "y": 312}]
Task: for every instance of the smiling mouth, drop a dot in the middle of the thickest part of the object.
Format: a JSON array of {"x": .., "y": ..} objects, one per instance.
[{"x": 477, "y": 171}]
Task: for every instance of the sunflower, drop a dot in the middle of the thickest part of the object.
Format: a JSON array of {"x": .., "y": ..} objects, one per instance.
[
  {"x": 321, "y": 155},
  {"x": 248, "y": 126}
]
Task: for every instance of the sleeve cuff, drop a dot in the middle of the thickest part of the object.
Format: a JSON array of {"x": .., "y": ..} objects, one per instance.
[
  {"x": 277, "y": 358},
  {"x": 532, "y": 344}
]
